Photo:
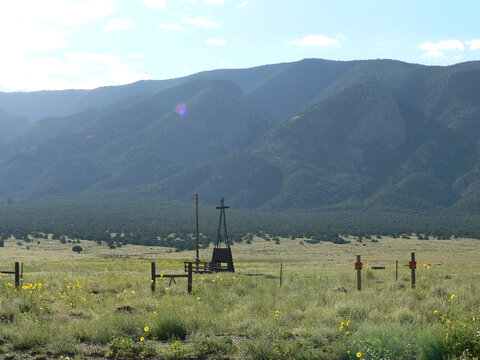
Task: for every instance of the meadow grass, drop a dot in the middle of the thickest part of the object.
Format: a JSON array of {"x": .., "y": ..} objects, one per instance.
[{"x": 98, "y": 304}]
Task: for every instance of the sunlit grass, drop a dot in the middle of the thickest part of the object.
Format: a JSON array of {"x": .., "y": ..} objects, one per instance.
[{"x": 86, "y": 304}]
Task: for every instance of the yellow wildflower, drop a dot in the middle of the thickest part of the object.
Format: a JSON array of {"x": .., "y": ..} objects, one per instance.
[
  {"x": 146, "y": 328},
  {"x": 435, "y": 312},
  {"x": 142, "y": 339},
  {"x": 452, "y": 297},
  {"x": 359, "y": 354}
]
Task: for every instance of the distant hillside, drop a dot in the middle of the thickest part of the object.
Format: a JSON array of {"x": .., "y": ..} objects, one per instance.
[
  {"x": 145, "y": 142},
  {"x": 59, "y": 103},
  {"x": 313, "y": 134},
  {"x": 11, "y": 124}
]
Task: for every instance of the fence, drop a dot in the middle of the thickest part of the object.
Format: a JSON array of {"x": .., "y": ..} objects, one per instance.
[
  {"x": 412, "y": 266},
  {"x": 16, "y": 272},
  {"x": 154, "y": 274}
]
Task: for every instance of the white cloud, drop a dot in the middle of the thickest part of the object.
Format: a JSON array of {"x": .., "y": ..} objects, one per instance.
[
  {"x": 63, "y": 12},
  {"x": 242, "y": 5},
  {"x": 453, "y": 44},
  {"x": 473, "y": 44},
  {"x": 123, "y": 74},
  {"x": 136, "y": 55},
  {"x": 117, "y": 25},
  {"x": 30, "y": 25},
  {"x": 433, "y": 53},
  {"x": 24, "y": 37},
  {"x": 74, "y": 71},
  {"x": 91, "y": 58},
  {"x": 200, "y": 21},
  {"x": 171, "y": 27},
  {"x": 314, "y": 40},
  {"x": 438, "y": 49},
  {"x": 212, "y": 41},
  {"x": 155, "y": 4}
]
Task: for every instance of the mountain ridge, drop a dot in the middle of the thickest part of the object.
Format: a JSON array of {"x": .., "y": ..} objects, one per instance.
[{"x": 301, "y": 135}]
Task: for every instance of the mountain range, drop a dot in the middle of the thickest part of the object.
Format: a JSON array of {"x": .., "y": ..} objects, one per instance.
[{"x": 302, "y": 135}]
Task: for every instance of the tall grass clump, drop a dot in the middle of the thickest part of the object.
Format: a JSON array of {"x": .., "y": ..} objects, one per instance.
[{"x": 168, "y": 327}]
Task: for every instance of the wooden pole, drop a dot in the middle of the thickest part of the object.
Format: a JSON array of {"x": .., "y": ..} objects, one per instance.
[
  {"x": 358, "y": 266},
  {"x": 189, "y": 288},
  {"x": 396, "y": 270},
  {"x": 413, "y": 266},
  {"x": 154, "y": 277},
  {"x": 197, "y": 255},
  {"x": 17, "y": 275},
  {"x": 281, "y": 273},
  {"x": 21, "y": 272}
]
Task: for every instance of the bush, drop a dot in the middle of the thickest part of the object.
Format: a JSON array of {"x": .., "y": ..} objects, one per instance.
[{"x": 77, "y": 249}]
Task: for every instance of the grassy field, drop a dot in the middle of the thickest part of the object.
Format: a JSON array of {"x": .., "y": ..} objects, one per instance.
[{"x": 98, "y": 304}]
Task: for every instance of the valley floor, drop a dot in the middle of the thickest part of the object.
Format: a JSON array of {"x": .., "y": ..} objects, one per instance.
[{"x": 98, "y": 304}]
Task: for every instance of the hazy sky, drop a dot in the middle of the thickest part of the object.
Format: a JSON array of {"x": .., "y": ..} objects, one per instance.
[{"x": 58, "y": 44}]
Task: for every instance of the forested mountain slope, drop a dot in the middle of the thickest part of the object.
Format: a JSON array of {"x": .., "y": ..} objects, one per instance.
[{"x": 301, "y": 135}]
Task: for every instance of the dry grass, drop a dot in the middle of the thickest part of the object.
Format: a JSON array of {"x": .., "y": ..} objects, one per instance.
[{"x": 90, "y": 302}]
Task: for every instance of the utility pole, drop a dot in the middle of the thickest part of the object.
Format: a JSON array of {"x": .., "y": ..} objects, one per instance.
[{"x": 197, "y": 257}]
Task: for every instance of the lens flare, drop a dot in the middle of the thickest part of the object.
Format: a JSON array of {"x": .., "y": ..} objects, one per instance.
[{"x": 181, "y": 109}]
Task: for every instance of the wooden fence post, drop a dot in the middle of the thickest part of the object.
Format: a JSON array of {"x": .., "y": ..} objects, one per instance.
[
  {"x": 358, "y": 267},
  {"x": 396, "y": 270},
  {"x": 154, "y": 277},
  {"x": 281, "y": 273},
  {"x": 189, "y": 287},
  {"x": 17, "y": 275},
  {"x": 413, "y": 266}
]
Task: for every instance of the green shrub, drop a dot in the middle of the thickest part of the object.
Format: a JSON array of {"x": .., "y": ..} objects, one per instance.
[
  {"x": 177, "y": 351},
  {"x": 127, "y": 348},
  {"x": 167, "y": 328}
]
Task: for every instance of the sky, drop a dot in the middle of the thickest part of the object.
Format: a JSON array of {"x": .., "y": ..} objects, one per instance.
[{"x": 84, "y": 44}]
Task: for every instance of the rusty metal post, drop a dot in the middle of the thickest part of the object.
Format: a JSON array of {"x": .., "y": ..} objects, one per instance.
[
  {"x": 17, "y": 275},
  {"x": 358, "y": 267},
  {"x": 413, "y": 266},
  {"x": 189, "y": 288},
  {"x": 154, "y": 277}
]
